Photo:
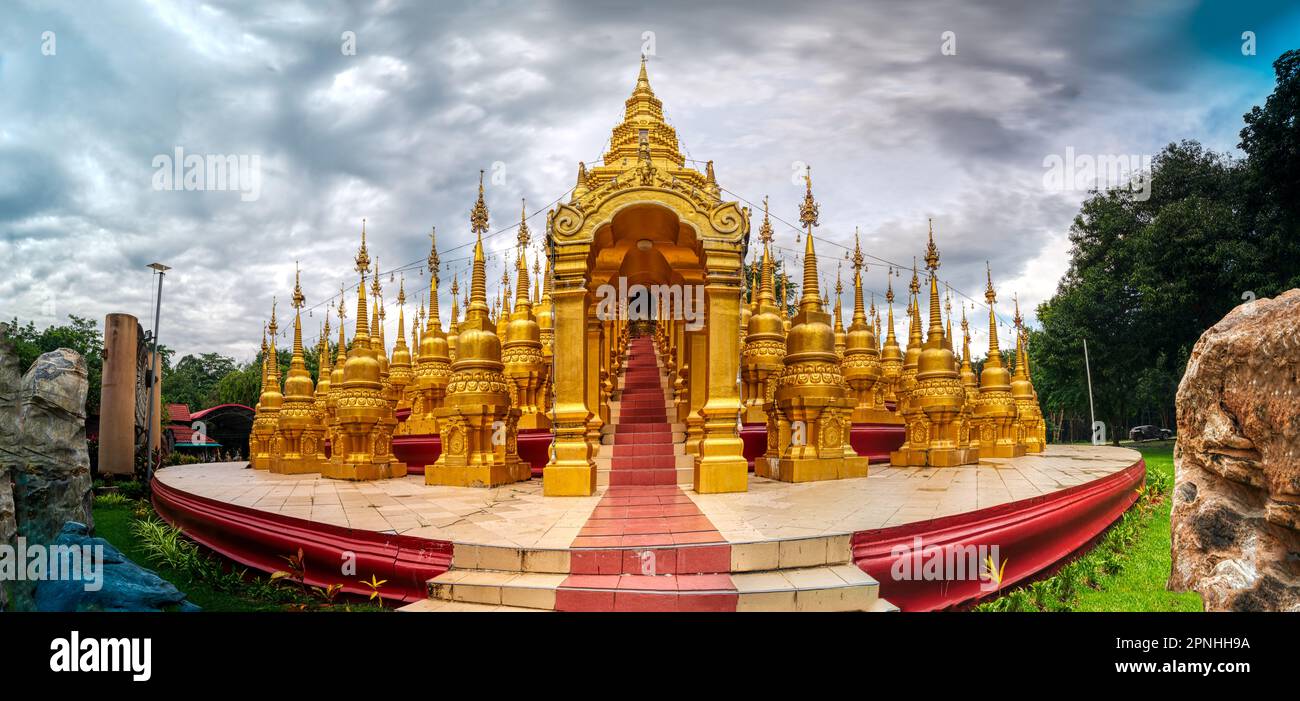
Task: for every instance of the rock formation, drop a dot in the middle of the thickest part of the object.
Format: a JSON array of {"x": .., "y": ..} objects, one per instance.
[
  {"x": 124, "y": 585},
  {"x": 10, "y": 377},
  {"x": 1236, "y": 512},
  {"x": 44, "y": 467}
]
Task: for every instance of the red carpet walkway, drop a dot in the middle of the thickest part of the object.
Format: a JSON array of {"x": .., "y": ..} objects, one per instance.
[{"x": 631, "y": 555}]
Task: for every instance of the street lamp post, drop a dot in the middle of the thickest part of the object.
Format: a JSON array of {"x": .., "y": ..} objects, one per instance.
[
  {"x": 1092, "y": 413},
  {"x": 154, "y": 362}
]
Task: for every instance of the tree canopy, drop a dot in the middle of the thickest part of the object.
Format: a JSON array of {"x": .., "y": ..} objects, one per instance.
[{"x": 1148, "y": 276}]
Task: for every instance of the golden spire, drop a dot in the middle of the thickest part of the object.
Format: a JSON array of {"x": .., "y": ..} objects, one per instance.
[
  {"x": 341, "y": 355},
  {"x": 478, "y": 306},
  {"x": 478, "y": 216},
  {"x": 890, "y": 349},
  {"x": 455, "y": 300},
  {"x": 1018, "y": 321},
  {"x": 914, "y": 310},
  {"x": 363, "y": 257},
  {"x": 936, "y": 335},
  {"x": 967, "y": 372},
  {"x": 808, "y": 214},
  {"x": 859, "y": 314},
  {"x": 274, "y": 372},
  {"x": 434, "y": 263},
  {"x": 537, "y": 277},
  {"x": 809, "y": 210},
  {"x": 947, "y": 307},
  {"x": 839, "y": 293},
  {"x": 376, "y": 316},
  {"x": 361, "y": 338},
  {"x": 995, "y": 355},
  {"x": 522, "y": 286},
  {"x": 297, "y": 385},
  {"x": 524, "y": 235},
  {"x": 765, "y": 231},
  {"x": 766, "y": 294},
  {"x": 265, "y": 355},
  {"x": 931, "y": 251},
  {"x": 297, "y": 301},
  {"x": 323, "y": 361},
  {"x": 401, "y": 314}
]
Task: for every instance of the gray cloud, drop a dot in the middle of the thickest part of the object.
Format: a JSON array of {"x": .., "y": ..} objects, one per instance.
[{"x": 895, "y": 131}]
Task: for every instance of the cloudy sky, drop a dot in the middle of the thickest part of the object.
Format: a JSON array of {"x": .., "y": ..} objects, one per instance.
[{"x": 899, "y": 120}]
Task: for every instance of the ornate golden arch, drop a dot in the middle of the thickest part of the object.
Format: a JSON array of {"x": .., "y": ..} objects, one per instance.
[{"x": 703, "y": 240}]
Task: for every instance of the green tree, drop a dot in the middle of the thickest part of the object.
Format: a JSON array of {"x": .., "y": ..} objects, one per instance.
[
  {"x": 193, "y": 381},
  {"x": 80, "y": 334},
  {"x": 1148, "y": 275}
]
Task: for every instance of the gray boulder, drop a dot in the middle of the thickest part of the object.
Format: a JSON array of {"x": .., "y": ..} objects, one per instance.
[
  {"x": 44, "y": 468},
  {"x": 125, "y": 586}
]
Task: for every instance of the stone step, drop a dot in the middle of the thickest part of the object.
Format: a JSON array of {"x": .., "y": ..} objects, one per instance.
[
  {"x": 439, "y": 606},
  {"x": 466, "y": 556},
  {"x": 830, "y": 588},
  {"x": 826, "y": 588},
  {"x": 685, "y": 476}
]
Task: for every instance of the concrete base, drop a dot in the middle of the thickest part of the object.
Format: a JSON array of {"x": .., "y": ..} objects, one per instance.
[
  {"x": 361, "y": 472},
  {"x": 478, "y": 476},
  {"x": 811, "y": 469}
]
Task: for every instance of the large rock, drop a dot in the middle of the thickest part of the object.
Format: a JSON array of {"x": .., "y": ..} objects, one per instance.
[
  {"x": 10, "y": 379},
  {"x": 125, "y": 586},
  {"x": 1236, "y": 513},
  {"x": 43, "y": 458}
]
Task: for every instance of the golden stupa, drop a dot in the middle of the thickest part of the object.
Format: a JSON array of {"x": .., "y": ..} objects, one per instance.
[
  {"x": 543, "y": 357},
  {"x": 477, "y": 423},
  {"x": 812, "y": 417},
  {"x": 362, "y": 450}
]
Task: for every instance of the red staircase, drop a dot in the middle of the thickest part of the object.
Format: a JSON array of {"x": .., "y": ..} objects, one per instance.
[{"x": 643, "y": 438}]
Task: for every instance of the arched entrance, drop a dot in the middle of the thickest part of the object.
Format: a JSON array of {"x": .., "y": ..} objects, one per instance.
[{"x": 644, "y": 218}]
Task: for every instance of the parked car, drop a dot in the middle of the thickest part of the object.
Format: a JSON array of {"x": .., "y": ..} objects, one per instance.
[{"x": 1149, "y": 433}]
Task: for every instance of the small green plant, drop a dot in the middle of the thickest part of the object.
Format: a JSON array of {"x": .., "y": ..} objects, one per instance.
[{"x": 112, "y": 500}]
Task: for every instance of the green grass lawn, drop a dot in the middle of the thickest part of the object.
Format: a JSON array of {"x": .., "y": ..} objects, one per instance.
[
  {"x": 1128, "y": 568},
  {"x": 113, "y": 523},
  {"x": 1140, "y": 585},
  {"x": 207, "y": 579}
]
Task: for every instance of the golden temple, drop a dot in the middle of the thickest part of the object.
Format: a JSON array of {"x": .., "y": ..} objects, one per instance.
[{"x": 549, "y": 356}]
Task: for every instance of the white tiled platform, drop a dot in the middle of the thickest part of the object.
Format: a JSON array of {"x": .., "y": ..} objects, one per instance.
[{"x": 519, "y": 516}]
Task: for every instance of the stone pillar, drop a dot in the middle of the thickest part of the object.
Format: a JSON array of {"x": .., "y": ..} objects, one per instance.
[
  {"x": 721, "y": 465},
  {"x": 117, "y": 396}
]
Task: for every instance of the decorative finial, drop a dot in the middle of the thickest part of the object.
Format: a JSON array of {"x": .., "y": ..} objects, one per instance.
[
  {"x": 989, "y": 294},
  {"x": 298, "y": 298},
  {"x": 858, "y": 260},
  {"x": 765, "y": 231},
  {"x": 889, "y": 289},
  {"x": 524, "y": 235},
  {"x": 932, "y": 251},
  {"x": 478, "y": 216},
  {"x": 343, "y": 307},
  {"x": 401, "y": 291},
  {"x": 1017, "y": 320},
  {"x": 809, "y": 210},
  {"x": 434, "y": 261},
  {"x": 363, "y": 257}
]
